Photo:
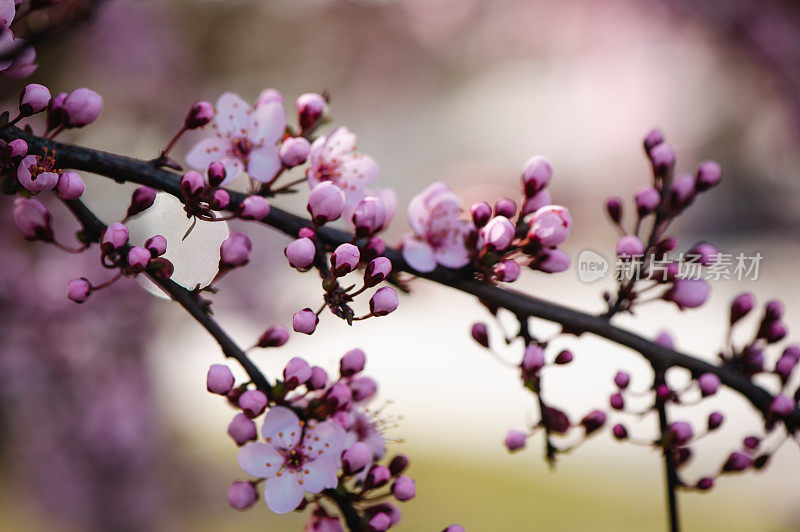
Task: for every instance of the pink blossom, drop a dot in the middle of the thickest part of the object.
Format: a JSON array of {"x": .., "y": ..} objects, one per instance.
[
  {"x": 242, "y": 429},
  {"x": 550, "y": 225},
  {"x": 36, "y": 173},
  {"x": 245, "y": 139},
  {"x": 70, "y": 186},
  {"x": 7, "y": 12},
  {"x": 295, "y": 459},
  {"x": 32, "y": 219},
  {"x": 333, "y": 158},
  {"x": 82, "y": 107},
  {"x": 497, "y": 234},
  {"x": 439, "y": 231}
]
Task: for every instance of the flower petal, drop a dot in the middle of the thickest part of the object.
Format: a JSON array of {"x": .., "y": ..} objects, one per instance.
[
  {"x": 418, "y": 208},
  {"x": 268, "y": 124},
  {"x": 259, "y": 459},
  {"x": 7, "y": 12},
  {"x": 281, "y": 427},
  {"x": 232, "y": 116},
  {"x": 264, "y": 163},
  {"x": 356, "y": 171},
  {"x": 233, "y": 168},
  {"x": 338, "y": 143},
  {"x": 206, "y": 151},
  {"x": 419, "y": 255},
  {"x": 320, "y": 474},
  {"x": 283, "y": 493},
  {"x": 325, "y": 440}
]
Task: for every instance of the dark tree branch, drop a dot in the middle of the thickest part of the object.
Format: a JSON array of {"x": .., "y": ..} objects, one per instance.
[
  {"x": 670, "y": 470},
  {"x": 126, "y": 169}
]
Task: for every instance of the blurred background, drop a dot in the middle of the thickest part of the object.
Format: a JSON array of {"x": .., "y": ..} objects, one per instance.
[{"x": 105, "y": 423}]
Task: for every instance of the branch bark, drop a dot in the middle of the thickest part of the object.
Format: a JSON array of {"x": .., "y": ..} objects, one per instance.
[{"x": 125, "y": 169}]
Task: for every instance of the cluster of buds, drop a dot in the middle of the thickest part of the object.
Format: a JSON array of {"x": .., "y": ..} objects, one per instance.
[
  {"x": 318, "y": 433},
  {"x": 658, "y": 204},
  {"x": 497, "y": 240},
  {"x": 303, "y": 253},
  {"x": 23, "y": 62}
]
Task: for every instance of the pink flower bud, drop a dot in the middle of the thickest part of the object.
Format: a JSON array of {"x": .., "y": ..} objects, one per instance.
[
  {"x": 622, "y": 379},
  {"x": 629, "y": 247},
  {"x": 219, "y": 379},
  {"x": 253, "y": 208},
  {"x": 70, "y": 186},
  {"x": 377, "y": 271},
  {"x": 665, "y": 339},
  {"x": 78, "y": 290},
  {"x": 325, "y": 202},
  {"x": 593, "y": 421},
  {"x": 681, "y": 432},
  {"x": 82, "y": 107},
  {"x": 296, "y": 373},
  {"x": 498, "y": 233},
  {"x": 242, "y": 495},
  {"x": 162, "y": 268},
  {"x": 709, "y": 174},
  {"x": 398, "y": 464},
  {"x": 619, "y": 431},
  {"x": 536, "y": 175},
  {"x": 253, "y": 403},
  {"x": 156, "y": 245},
  {"x": 356, "y": 458},
  {"x": 550, "y": 225},
  {"x": 235, "y": 250},
  {"x": 294, "y": 151},
  {"x": 688, "y": 293},
  {"x": 269, "y": 96},
  {"x": 480, "y": 334},
  {"x": 242, "y": 429},
  {"x": 507, "y": 271},
  {"x": 383, "y": 301},
  {"x": 653, "y": 138},
  {"x": 363, "y": 388},
  {"x": 551, "y": 261},
  {"x": 192, "y": 184},
  {"x": 706, "y": 253},
  {"x": 564, "y": 357},
  {"x": 505, "y": 207},
  {"x": 773, "y": 310},
  {"x": 378, "y": 476},
  {"x": 536, "y": 202},
  {"x": 616, "y": 401},
  {"x": 454, "y": 528},
  {"x": 647, "y": 199},
  {"x": 34, "y": 175},
  {"x": 300, "y": 253},
  {"x": 515, "y": 440},
  {"x": 709, "y": 384},
  {"x": 339, "y": 396},
  {"x": 33, "y": 99},
  {"x": 404, "y": 488},
  {"x": 751, "y": 443},
  {"x": 532, "y": 360},
  {"x": 705, "y": 483},
  {"x": 379, "y": 522},
  {"x": 310, "y": 107},
  {"x": 681, "y": 193},
  {"x": 782, "y": 406},
  {"x": 352, "y": 362},
  {"x": 614, "y": 209},
  {"x": 114, "y": 237},
  {"x": 663, "y": 392},
  {"x": 715, "y": 419},
  {"x": 318, "y": 380},
  {"x": 216, "y": 173},
  {"x": 374, "y": 248},
  {"x": 306, "y": 232},
  {"x": 219, "y": 199},
  {"x": 741, "y": 306},
  {"x": 662, "y": 157},
  {"x": 141, "y": 199},
  {"x": 737, "y": 462},
  {"x": 305, "y": 321},
  {"x": 370, "y": 216},
  {"x": 200, "y": 114},
  {"x": 138, "y": 259},
  {"x": 344, "y": 259},
  {"x": 15, "y": 150},
  {"x": 785, "y": 366},
  {"x": 56, "y": 115},
  {"x": 33, "y": 220},
  {"x": 275, "y": 336},
  {"x": 481, "y": 213}
]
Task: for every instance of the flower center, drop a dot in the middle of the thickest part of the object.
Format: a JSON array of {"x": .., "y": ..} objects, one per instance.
[
  {"x": 294, "y": 458},
  {"x": 242, "y": 147},
  {"x": 43, "y": 164}
]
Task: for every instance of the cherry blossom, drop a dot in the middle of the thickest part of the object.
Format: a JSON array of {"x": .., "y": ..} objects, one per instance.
[
  {"x": 245, "y": 139},
  {"x": 296, "y": 458},
  {"x": 439, "y": 232},
  {"x": 334, "y": 158}
]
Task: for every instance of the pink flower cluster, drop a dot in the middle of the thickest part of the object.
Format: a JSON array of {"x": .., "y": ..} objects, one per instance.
[
  {"x": 317, "y": 434},
  {"x": 496, "y": 240}
]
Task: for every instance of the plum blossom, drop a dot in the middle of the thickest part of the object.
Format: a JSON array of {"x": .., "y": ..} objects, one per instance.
[
  {"x": 439, "y": 231},
  {"x": 334, "y": 158},
  {"x": 245, "y": 139},
  {"x": 295, "y": 458},
  {"x": 7, "y": 12}
]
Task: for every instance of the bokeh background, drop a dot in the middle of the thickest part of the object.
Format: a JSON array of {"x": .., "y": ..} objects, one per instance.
[{"x": 104, "y": 420}]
